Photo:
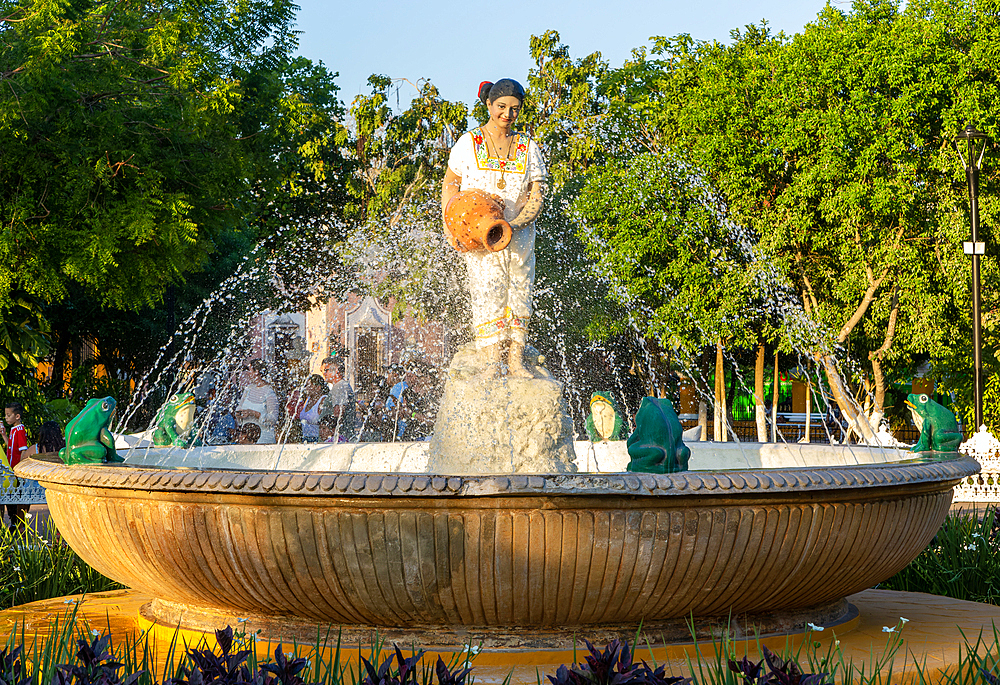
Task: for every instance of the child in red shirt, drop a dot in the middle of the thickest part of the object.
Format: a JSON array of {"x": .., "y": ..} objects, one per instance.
[{"x": 16, "y": 443}]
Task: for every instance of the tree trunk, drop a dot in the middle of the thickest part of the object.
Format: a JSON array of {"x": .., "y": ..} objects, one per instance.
[
  {"x": 774, "y": 400},
  {"x": 879, "y": 386},
  {"x": 718, "y": 428},
  {"x": 876, "y": 356},
  {"x": 808, "y": 405},
  {"x": 758, "y": 395},
  {"x": 856, "y": 420}
]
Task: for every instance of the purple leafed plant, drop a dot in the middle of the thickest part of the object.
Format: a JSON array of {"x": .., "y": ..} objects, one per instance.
[{"x": 613, "y": 666}]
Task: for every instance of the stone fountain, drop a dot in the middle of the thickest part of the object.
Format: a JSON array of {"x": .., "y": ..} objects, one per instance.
[
  {"x": 500, "y": 530},
  {"x": 527, "y": 559}
]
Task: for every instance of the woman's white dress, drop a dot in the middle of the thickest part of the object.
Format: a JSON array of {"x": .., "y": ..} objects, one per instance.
[
  {"x": 261, "y": 399},
  {"x": 500, "y": 283}
]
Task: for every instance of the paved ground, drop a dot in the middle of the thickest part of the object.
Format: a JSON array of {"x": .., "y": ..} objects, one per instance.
[
  {"x": 913, "y": 631},
  {"x": 978, "y": 508}
]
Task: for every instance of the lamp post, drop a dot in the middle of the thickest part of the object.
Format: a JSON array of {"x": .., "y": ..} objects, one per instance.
[{"x": 976, "y": 142}]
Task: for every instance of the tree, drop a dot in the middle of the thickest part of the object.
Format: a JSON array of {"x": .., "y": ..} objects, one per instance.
[
  {"x": 400, "y": 157},
  {"x": 830, "y": 148},
  {"x": 134, "y": 134}
]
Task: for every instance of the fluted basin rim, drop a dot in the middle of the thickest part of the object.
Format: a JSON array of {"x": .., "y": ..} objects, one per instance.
[{"x": 310, "y": 484}]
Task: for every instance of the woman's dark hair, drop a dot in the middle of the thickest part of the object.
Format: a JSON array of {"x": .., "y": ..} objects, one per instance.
[
  {"x": 317, "y": 380},
  {"x": 259, "y": 366},
  {"x": 488, "y": 92},
  {"x": 50, "y": 438}
]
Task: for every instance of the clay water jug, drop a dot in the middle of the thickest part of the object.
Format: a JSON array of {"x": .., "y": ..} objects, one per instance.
[{"x": 474, "y": 219}]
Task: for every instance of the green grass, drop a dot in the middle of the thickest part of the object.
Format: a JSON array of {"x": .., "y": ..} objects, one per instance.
[
  {"x": 38, "y": 565},
  {"x": 962, "y": 561},
  {"x": 134, "y": 652}
]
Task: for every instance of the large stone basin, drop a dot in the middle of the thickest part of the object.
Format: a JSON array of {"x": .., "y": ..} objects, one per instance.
[{"x": 511, "y": 559}]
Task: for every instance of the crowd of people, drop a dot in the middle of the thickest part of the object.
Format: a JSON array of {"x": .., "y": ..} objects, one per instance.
[
  {"x": 17, "y": 447},
  {"x": 398, "y": 406}
]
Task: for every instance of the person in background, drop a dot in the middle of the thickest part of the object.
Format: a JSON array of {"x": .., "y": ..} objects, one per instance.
[
  {"x": 221, "y": 424},
  {"x": 327, "y": 428},
  {"x": 50, "y": 439},
  {"x": 17, "y": 444},
  {"x": 259, "y": 404},
  {"x": 340, "y": 401},
  {"x": 423, "y": 399},
  {"x": 248, "y": 434},
  {"x": 396, "y": 381},
  {"x": 310, "y": 407}
]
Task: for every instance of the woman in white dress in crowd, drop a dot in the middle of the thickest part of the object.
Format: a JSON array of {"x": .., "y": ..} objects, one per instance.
[
  {"x": 496, "y": 159},
  {"x": 312, "y": 406},
  {"x": 258, "y": 404}
]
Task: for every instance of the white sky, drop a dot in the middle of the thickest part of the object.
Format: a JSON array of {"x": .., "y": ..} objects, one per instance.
[{"x": 456, "y": 45}]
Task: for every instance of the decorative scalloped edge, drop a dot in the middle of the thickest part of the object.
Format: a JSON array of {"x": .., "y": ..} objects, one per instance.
[{"x": 305, "y": 484}]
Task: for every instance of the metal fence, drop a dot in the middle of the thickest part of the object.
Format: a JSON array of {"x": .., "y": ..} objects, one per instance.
[
  {"x": 15, "y": 490},
  {"x": 820, "y": 432}
]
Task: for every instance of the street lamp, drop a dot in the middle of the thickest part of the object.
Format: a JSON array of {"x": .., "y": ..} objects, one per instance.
[{"x": 976, "y": 148}]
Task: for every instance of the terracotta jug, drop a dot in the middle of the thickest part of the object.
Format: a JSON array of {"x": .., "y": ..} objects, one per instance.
[{"x": 474, "y": 219}]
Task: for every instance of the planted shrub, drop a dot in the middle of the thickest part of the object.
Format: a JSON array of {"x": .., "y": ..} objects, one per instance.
[
  {"x": 96, "y": 665},
  {"x": 779, "y": 671},
  {"x": 962, "y": 561},
  {"x": 37, "y": 566},
  {"x": 613, "y": 666},
  {"x": 231, "y": 667},
  {"x": 12, "y": 667},
  {"x": 405, "y": 671}
]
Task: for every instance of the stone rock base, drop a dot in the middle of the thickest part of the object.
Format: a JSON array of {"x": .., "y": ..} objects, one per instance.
[
  {"x": 503, "y": 425},
  {"x": 274, "y": 629}
]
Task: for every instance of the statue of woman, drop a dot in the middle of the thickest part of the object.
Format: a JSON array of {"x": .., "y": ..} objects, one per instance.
[{"x": 495, "y": 159}]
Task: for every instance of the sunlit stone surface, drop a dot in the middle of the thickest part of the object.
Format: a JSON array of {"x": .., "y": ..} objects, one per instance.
[
  {"x": 504, "y": 424},
  {"x": 509, "y": 559}
]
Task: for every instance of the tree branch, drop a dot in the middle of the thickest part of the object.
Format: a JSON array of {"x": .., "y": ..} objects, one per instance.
[{"x": 862, "y": 308}]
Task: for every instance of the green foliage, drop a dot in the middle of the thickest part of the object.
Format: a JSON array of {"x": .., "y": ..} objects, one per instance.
[
  {"x": 133, "y": 135},
  {"x": 38, "y": 565},
  {"x": 833, "y": 150},
  {"x": 562, "y": 106},
  {"x": 400, "y": 156},
  {"x": 664, "y": 246},
  {"x": 23, "y": 344},
  {"x": 962, "y": 561}
]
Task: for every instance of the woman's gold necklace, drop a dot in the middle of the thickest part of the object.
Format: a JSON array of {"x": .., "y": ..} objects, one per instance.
[{"x": 501, "y": 184}]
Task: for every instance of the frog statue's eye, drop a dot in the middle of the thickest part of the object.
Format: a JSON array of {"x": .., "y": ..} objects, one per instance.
[
  {"x": 105, "y": 405},
  {"x": 923, "y": 398},
  {"x": 173, "y": 398}
]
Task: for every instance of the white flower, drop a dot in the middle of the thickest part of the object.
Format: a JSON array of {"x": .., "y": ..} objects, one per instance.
[
  {"x": 887, "y": 629},
  {"x": 813, "y": 626},
  {"x": 69, "y": 601},
  {"x": 241, "y": 620},
  {"x": 17, "y": 568},
  {"x": 903, "y": 620},
  {"x": 95, "y": 633},
  {"x": 472, "y": 649},
  {"x": 309, "y": 663}
]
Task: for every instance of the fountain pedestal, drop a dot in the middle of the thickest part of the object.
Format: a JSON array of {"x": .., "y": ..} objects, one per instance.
[{"x": 502, "y": 425}]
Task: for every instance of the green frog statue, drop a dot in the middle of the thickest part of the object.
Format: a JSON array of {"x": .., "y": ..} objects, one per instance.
[
  {"x": 657, "y": 446},
  {"x": 175, "y": 421},
  {"x": 939, "y": 431},
  {"x": 88, "y": 440}
]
